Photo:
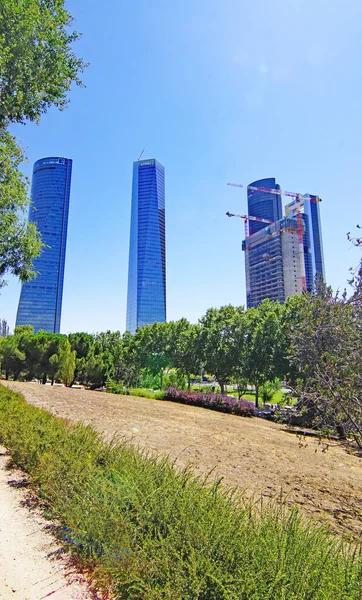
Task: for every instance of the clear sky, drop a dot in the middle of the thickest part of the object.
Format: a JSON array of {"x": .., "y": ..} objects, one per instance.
[{"x": 217, "y": 91}]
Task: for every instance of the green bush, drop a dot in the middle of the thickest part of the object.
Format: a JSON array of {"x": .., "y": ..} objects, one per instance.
[
  {"x": 142, "y": 393},
  {"x": 156, "y": 533},
  {"x": 268, "y": 389}
]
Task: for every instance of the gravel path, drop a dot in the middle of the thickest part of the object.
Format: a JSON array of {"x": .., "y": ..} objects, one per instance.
[{"x": 30, "y": 567}]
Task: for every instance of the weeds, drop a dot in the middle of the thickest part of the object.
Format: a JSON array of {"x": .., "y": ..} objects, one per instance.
[{"x": 155, "y": 533}]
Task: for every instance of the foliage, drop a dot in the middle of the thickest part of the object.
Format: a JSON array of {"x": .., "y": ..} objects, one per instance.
[
  {"x": 67, "y": 361},
  {"x": 37, "y": 64},
  {"x": 268, "y": 390},
  {"x": 213, "y": 401},
  {"x": 184, "y": 348},
  {"x": 11, "y": 357},
  {"x": 222, "y": 341},
  {"x": 261, "y": 356},
  {"x": 153, "y": 532},
  {"x": 19, "y": 242},
  {"x": 156, "y": 365},
  {"x": 142, "y": 393},
  {"x": 37, "y": 69},
  {"x": 327, "y": 351}
]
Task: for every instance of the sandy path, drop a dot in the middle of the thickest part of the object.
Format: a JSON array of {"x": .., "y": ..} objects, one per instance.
[
  {"x": 26, "y": 570},
  {"x": 254, "y": 454}
]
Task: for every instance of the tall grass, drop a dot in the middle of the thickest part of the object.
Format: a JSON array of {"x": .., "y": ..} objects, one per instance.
[{"x": 159, "y": 534}]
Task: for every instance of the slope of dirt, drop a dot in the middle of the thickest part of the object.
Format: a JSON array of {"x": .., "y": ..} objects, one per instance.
[
  {"x": 26, "y": 570},
  {"x": 256, "y": 455}
]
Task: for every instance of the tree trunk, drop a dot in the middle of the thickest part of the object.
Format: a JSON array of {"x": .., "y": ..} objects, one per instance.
[
  {"x": 161, "y": 378},
  {"x": 222, "y": 386},
  {"x": 52, "y": 381},
  {"x": 188, "y": 382},
  {"x": 6, "y": 375},
  {"x": 256, "y": 395},
  {"x": 44, "y": 379}
]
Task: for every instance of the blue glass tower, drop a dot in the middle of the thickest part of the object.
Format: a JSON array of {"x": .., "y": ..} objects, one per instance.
[
  {"x": 262, "y": 204},
  {"x": 146, "y": 301},
  {"x": 40, "y": 303}
]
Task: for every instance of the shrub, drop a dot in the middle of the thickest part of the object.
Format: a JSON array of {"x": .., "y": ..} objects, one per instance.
[
  {"x": 268, "y": 389},
  {"x": 156, "y": 533},
  {"x": 142, "y": 393},
  {"x": 211, "y": 400}
]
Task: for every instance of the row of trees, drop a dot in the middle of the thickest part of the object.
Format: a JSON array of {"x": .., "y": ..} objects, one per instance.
[{"x": 313, "y": 341}]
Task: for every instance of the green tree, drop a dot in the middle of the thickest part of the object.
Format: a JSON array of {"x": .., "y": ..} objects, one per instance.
[
  {"x": 11, "y": 357},
  {"x": 222, "y": 337},
  {"x": 37, "y": 69},
  {"x": 37, "y": 63},
  {"x": 42, "y": 354},
  {"x": 66, "y": 362},
  {"x": 82, "y": 343},
  {"x": 327, "y": 351},
  {"x": 184, "y": 347},
  {"x": 261, "y": 354},
  {"x": 20, "y": 243}
]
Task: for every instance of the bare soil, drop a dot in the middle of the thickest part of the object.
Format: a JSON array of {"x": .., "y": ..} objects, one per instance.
[
  {"x": 258, "y": 456},
  {"x": 32, "y": 566}
]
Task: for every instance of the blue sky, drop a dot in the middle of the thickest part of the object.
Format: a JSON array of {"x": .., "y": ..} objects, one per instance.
[{"x": 217, "y": 91}]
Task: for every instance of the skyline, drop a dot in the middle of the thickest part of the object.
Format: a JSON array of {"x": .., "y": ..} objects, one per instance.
[{"x": 192, "y": 87}]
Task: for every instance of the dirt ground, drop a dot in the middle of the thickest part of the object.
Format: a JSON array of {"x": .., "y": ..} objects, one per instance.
[
  {"x": 256, "y": 455},
  {"x": 31, "y": 567}
]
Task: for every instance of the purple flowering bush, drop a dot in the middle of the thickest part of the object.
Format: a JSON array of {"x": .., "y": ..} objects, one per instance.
[{"x": 211, "y": 400}]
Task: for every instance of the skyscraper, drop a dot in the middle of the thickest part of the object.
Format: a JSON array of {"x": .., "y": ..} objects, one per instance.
[
  {"x": 279, "y": 262},
  {"x": 263, "y": 204},
  {"x": 146, "y": 301},
  {"x": 40, "y": 301},
  {"x": 274, "y": 266},
  {"x": 312, "y": 238}
]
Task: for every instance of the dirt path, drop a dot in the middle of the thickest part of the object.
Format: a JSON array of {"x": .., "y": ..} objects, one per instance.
[
  {"x": 254, "y": 454},
  {"x": 26, "y": 569}
]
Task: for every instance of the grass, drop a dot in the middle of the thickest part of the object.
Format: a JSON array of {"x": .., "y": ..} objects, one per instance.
[
  {"x": 156, "y": 534},
  {"x": 144, "y": 393}
]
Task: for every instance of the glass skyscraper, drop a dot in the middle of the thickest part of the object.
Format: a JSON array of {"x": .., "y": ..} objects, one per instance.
[
  {"x": 263, "y": 204},
  {"x": 146, "y": 301},
  {"x": 312, "y": 238},
  {"x": 40, "y": 302}
]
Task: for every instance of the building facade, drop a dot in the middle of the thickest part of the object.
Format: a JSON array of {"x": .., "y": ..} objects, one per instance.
[
  {"x": 263, "y": 204},
  {"x": 40, "y": 303},
  {"x": 274, "y": 266},
  {"x": 308, "y": 205},
  {"x": 146, "y": 300}
]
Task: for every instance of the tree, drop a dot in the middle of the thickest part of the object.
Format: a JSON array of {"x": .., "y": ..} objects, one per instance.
[
  {"x": 222, "y": 337},
  {"x": 42, "y": 354},
  {"x": 37, "y": 69},
  {"x": 37, "y": 64},
  {"x": 20, "y": 243},
  {"x": 11, "y": 357},
  {"x": 184, "y": 347},
  {"x": 66, "y": 362},
  {"x": 327, "y": 350},
  {"x": 262, "y": 340}
]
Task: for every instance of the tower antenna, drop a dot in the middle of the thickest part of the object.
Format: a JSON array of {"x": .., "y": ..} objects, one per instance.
[{"x": 139, "y": 158}]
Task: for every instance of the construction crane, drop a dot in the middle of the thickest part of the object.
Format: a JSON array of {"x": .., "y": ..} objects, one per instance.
[
  {"x": 246, "y": 219},
  {"x": 139, "y": 158},
  {"x": 298, "y": 210},
  {"x": 254, "y": 188}
]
